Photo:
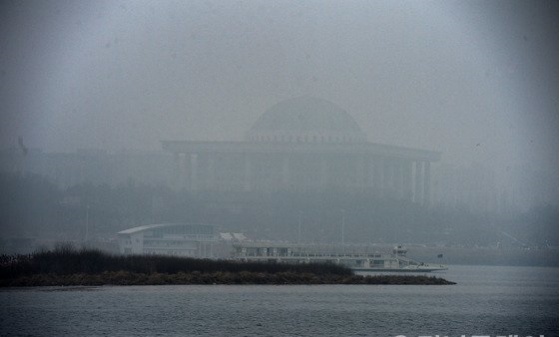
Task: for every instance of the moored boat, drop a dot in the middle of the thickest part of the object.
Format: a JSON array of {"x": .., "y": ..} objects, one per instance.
[{"x": 357, "y": 257}]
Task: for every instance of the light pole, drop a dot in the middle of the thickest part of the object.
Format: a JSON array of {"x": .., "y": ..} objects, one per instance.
[
  {"x": 87, "y": 222},
  {"x": 343, "y": 225},
  {"x": 299, "y": 227}
]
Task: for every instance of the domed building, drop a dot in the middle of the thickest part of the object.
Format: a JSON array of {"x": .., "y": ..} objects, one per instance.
[
  {"x": 308, "y": 120},
  {"x": 304, "y": 143}
]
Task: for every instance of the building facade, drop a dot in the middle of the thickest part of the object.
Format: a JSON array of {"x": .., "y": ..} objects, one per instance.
[
  {"x": 304, "y": 144},
  {"x": 179, "y": 239}
]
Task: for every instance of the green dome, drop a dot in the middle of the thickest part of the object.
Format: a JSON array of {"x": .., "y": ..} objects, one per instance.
[{"x": 306, "y": 119}]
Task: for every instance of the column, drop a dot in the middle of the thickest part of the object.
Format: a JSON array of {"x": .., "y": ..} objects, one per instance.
[
  {"x": 417, "y": 182},
  {"x": 427, "y": 182},
  {"x": 407, "y": 180},
  {"x": 394, "y": 176},
  {"x": 399, "y": 171}
]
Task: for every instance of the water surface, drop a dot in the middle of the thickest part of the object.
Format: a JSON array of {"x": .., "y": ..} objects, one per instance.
[{"x": 491, "y": 301}]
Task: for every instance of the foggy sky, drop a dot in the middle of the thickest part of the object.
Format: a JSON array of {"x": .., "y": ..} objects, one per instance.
[{"x": 476, "y": 80}]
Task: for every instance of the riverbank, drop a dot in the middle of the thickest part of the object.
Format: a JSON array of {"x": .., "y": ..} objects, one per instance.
[
  {"x": 65, "y": 266},
  {"x": 241, "y": 278}
]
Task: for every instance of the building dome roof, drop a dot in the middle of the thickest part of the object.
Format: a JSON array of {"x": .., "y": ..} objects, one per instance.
[{"x": 306, "y": 119}]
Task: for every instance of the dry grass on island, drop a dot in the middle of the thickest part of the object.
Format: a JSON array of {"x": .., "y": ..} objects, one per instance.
[{"x": 66, "y": 266}]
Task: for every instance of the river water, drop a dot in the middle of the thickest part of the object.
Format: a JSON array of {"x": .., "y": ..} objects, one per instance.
[{"x": 489, "y": 301}]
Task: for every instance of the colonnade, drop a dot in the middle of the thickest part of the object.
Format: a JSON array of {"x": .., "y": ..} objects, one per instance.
[{"x": 401, "y": 178}]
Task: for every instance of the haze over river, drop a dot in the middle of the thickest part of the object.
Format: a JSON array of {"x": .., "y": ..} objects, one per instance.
[{"x": 489, "y": 301}]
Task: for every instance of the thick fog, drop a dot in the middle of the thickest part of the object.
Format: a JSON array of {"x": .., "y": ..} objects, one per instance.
[{"x": 476, "y": 81}]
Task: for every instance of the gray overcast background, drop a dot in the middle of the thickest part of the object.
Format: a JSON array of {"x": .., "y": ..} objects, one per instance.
[{"x": 476, "y": 80}]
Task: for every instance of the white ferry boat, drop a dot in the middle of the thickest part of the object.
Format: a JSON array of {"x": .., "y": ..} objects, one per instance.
[{"x": 356, "y": 257}]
